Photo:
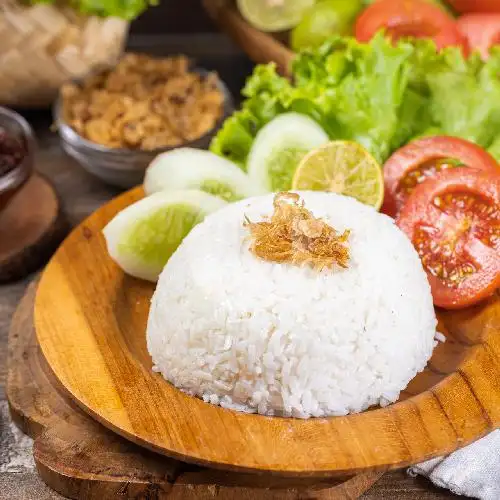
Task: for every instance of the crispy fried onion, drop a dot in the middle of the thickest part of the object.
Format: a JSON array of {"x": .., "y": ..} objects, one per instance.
[{"x": 293, "y": 235}]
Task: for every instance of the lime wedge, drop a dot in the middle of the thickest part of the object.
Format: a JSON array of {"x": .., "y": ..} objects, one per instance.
[
  {"x": 189, "y": 168},
  {"x": 342, "y": 167},
  {"x": 143, "y": 236},
  {"x": 326, "y": 18},
  {"x": 274, "y": 15}
]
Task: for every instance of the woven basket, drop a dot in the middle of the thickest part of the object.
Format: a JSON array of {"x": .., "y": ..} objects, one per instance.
[{"x": 43, "y": 46}]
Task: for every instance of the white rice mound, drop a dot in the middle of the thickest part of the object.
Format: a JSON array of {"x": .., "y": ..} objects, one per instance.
[{"x": 277, "y": 339}]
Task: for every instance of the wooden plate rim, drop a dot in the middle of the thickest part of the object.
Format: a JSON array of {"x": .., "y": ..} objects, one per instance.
[{"x": 393, "y": 432}]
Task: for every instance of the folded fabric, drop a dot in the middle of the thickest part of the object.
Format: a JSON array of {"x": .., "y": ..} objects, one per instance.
[{"x": 473, "y": 471}]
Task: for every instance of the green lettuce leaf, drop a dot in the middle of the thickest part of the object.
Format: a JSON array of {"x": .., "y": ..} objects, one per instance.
[
  {"x": 494, "y": 149},
  {"x": 234, "y": 140},
  {"x": 362, "y": 91},
  {"x": 465, "y": 95},
  {"x": 378, "y": 94},
  {"x": 413, "y": 119},
  {"x": 368, "y": 100},
  {"x": 354, "y": 91}
]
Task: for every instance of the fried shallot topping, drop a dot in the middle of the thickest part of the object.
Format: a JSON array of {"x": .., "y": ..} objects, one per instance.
[{"x": 293, "y": 235}]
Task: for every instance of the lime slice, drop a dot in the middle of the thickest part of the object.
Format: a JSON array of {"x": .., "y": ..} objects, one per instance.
[
  {"x": 326, "y": 18},
  {"x": 143, "y": 236},
  {"x": 279, "y": 147},
  {"x": 274, "y": 15},
  {"x": 342, "y": 167},
  {"x": 189, "y": 168}
]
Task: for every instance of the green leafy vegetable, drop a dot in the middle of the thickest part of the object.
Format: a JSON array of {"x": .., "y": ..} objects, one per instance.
[
  {"x": 125, "y": 9},
  {"x": 364, "y": 98},
  {"x": 235, "y": 138},
  {"x": 494, "y": 149},
  {"x": 465, "y": 96},
  {"x": 378, "y": 94}
]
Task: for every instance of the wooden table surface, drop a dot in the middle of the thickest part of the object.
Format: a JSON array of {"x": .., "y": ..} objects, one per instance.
[{"x": 81, "y": 194}]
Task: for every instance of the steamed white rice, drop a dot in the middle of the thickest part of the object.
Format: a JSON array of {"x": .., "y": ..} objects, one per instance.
[{"x": 278, "y": 339}]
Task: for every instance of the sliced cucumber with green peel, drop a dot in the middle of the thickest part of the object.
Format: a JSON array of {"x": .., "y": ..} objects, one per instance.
[
  {"x": 279, "y": 147},
  {"x": 189, "y": 168},
  {"x": 142, "y": 237}
]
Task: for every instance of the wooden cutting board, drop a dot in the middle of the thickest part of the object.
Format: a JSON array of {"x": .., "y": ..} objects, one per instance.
[{"x": 81, "y": 459}]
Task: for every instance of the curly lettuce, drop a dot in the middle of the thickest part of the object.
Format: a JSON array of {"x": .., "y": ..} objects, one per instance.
[
  {"x": 465, "y": 96},
  {"x": 379, "y": 94},
  {"x": 362, "y": 96}
]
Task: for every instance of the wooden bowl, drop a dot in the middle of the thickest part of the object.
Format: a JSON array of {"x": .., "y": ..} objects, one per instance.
[
  {"x": 90, "y": 320},
  {"x": 259, "y": 46}
]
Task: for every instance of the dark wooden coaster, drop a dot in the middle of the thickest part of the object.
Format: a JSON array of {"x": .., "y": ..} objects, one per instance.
[
  {"x": 81, "y": 459},
  {"x": 31, "y": 227}
]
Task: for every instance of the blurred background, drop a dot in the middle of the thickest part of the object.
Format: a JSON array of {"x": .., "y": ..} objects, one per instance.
[{"x": 173, "y": 16}]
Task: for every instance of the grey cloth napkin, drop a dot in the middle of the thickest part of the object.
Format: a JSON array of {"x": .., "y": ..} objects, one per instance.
[{"x": 473, "y": 471}]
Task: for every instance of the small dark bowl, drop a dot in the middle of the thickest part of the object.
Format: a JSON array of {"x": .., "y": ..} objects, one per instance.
[
  {"x": 125, "y": 168},
  {"x": 12, "y": 181}
]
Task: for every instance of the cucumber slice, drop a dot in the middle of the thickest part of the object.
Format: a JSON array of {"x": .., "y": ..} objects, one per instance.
[
  {"x": 143, "y": 236},
  {"x": 189, "y": 168},
  {"x": 279, "y": 147}
]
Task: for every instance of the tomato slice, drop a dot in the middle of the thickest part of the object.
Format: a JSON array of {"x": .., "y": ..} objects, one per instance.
[
  {"x": 481, "y": 30},
  {"x": 409, "y": 18},
  {"x": 453, "y": 221},
  {"x": 423, "y": 158},
  {"x": 466, "y": 6}
]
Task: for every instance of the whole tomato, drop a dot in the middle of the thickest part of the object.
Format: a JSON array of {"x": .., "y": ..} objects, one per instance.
[{"x": 409, "y": 18}]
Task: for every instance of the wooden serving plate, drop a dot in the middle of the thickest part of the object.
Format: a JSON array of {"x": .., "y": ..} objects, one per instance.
[{"x": 90, "y": 321}]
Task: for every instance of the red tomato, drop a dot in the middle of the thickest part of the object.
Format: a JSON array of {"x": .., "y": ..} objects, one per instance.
[
  {"x": 409, "y": 18},
  {"x": 466, "y": 6},
  {"x": 481, "y": 30},
  {"x": 423, "y": 158},
  {"x": 453, "y": 221}
]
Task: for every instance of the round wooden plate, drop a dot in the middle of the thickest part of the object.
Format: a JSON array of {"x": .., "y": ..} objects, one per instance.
[{"x": 91, "y": 318}]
